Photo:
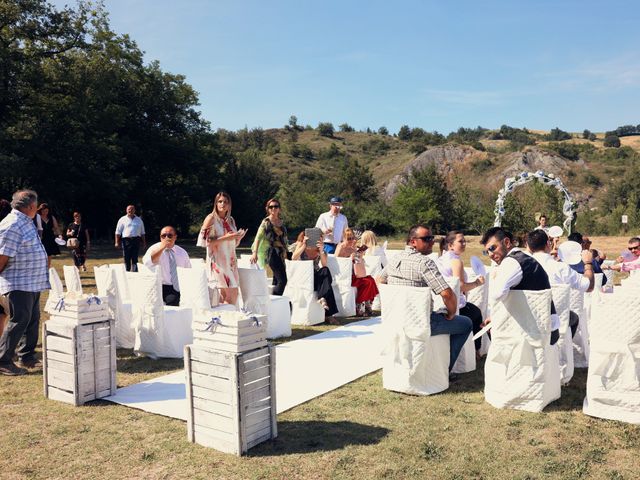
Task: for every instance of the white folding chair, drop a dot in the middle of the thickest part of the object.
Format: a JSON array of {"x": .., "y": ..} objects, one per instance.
[
  {"x": 56, "y": 292},
  {"x": 121, "y": 281},
  {"x": 521, "y": 370},
  {"x": 72, "y": 278},
  {"x": 613, "y": 378},
  {"x": 161, "y": 331},
  {"x": 305, "y": 307},
  {"x": 413, "y": 361},
  {"x": 561, "y": 294},
  {"x": 341, "y": 272},
  {"x": 194, "y": 289},
  {"x": 256, "y": 298}
]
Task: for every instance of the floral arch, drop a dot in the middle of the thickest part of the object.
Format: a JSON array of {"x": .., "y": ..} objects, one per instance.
[{"x": 568, "y": 208}]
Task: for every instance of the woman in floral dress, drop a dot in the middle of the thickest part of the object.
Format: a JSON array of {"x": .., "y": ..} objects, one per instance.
[{"x": 220, "y": 236}]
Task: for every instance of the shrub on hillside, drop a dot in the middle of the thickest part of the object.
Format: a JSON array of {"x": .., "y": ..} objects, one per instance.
[
  {"x": 557, "y": 135},
  {"x": 325, "y": 129},
  {"x": 345, "y": 127},
  {"x": 612, "y": 141}
]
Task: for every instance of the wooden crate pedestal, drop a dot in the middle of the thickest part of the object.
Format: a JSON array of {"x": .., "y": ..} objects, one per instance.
[
  {"x": 79, "y": 361},
  {"x": 231, "y": 397},
  {"x": 230, "y": 331}
]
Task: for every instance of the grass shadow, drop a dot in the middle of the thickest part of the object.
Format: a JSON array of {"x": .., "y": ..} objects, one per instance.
[
  {"x": 128, "y": 362},
  {"x": 317, "y": 436}
]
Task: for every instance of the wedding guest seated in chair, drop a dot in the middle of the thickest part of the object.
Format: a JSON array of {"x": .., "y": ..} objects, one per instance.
[
  {"x": 365, "y": 284},
  {"x": 321, "y": 277},
  {"x": 167, "y": 256}
]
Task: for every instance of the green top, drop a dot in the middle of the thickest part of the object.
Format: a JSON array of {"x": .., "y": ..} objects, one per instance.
[{"x": 270, "y": 236}]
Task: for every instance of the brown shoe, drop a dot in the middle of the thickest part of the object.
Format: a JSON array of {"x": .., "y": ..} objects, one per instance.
[
  {"x": 12, "y": 370},
  {"x": 331, "y": 320},
  {"x": 30, "y": 363}
]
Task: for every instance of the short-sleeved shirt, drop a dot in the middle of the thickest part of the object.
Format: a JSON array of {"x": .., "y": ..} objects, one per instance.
[
  {"x": 26, "y": 269},
  {"x": 413, "y": 269},
  {"x": 338, "y": 224},
  {"x": 130, "y": 227}
]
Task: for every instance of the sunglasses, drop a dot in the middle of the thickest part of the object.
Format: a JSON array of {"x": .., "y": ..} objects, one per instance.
[
  {"x": 426, "y": 238},
  {"x": 635, "y": 247},
  {"x": 273, "y": 206},
  {"x": 166, "y": 235},
  {"x": 489, "y": 250}
]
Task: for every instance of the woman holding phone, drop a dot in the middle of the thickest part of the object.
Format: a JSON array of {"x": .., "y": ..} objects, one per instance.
[
  {"x": 271, "y": 245},
  {"x": 365, "y": 284},
  {"x": 220, "y": 236}
]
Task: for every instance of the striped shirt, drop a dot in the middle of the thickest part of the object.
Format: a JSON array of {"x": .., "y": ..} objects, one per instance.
[
  {"x": 413, "y": 269},
  {"x": 26, "y": 269}
]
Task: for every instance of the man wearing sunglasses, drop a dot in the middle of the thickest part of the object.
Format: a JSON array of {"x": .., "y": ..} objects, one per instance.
[
  {"x": 632, "y": 260},
  {"x": 167, "y": 256},
  {"x": 413, "y": 268},
  {"x": 516, "y": 270}
]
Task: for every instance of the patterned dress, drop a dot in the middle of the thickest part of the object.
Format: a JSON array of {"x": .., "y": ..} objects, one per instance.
[{"x": 221, "y": 257}]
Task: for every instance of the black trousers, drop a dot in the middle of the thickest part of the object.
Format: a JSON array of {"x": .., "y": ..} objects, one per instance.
[
  {"x": 474, "y": 313},
  {"x": 130, "y": 251},
  {"x": 23, "y": 328},
  {"x": 322, "y": 286},
  {"x": 574, "y": 319},
  {"x": 279, "y": 273},
  {"x": 170, "y": 296}
]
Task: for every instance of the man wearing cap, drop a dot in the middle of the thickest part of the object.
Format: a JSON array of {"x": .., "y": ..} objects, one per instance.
[
  {"x": 168, "y": 256},
  {"x": 130, "y": 232},
  {"x": 333, "y": 224},
  {"x": 516, "y": 270},
  {"x": 579, "y": 267},
  {"x": 539, "y": 245}
]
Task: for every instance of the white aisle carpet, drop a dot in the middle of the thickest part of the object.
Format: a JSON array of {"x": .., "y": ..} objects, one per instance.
[{"x": 305, "y": 369}]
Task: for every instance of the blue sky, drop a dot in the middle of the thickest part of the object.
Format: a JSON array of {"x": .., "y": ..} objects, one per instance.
[{"x": 437, "y": 65}]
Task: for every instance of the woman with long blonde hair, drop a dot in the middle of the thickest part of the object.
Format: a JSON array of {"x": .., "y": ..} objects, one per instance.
[{"x": 220, "y": 236}]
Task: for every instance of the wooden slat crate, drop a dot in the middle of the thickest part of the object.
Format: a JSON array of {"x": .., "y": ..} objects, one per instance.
[
  {"x": 231, "y": 397},
  {"x": 79, "y": 361},
  {"x": 81, "y": 308},
  {"x": 232, "y": 332}
]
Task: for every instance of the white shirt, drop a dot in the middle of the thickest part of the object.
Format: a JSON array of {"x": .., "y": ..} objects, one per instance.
[
  {"x": 559, "y": 272},
  {"x": 338, "y": 223},
  {"x": 180, "y": 254},
  {"x": 130, "y": 227}
]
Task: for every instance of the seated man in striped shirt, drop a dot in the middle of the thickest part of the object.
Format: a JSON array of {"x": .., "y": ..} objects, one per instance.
[{"x": 413, "y": 268}]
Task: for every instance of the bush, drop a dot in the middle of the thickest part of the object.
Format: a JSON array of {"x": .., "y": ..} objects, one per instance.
[
  {"x": 325, "y": 129},
  {"x": 557, "y": 135},
  {"x": 404, "y": 133},
  {"x": 383, "y": 131},
  {"x": 612, "y": 141},
  {"x": 345, "y": 127}
]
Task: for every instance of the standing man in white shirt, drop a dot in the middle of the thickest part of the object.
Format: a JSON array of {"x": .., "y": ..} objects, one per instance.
[
  {"x": 167, "y": 256},
  {"x": 130, "y": 233},
  {"x": 333, "y": 224}
]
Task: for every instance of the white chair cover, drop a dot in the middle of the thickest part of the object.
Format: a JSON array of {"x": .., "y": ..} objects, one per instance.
[
  {"x": 581, "y": 338},
  {"x": 305, "y": 307},
  {"x": 479, "y": 296},
  {"x": 142, "y": 268},
  {"x": 341, "y": 271},
  {"x": 194, "y": 288},
  {"x": 373, "y": 266},
  {"x": 561, "y": 295},
  {"x": 609, "y": 274},
  {"x": 106, "y": 285},
  {"x": 106, "y": 282},
  {"x": 413, "y": 361},
  {"x": 56, "y": 292},
  {"x": 521, "y": 370},
  {"x": 279, "y": 321},
  {"x": 589, "y": 296},
  {"x": 613, "y": 378},
  {"x": 466, "y": 361},
  {"x": 196, "y": 261},
  {"x": 160, "y": 331},
  {"x": 72, "y": 278},
  {"x": 121, "y": 281}
]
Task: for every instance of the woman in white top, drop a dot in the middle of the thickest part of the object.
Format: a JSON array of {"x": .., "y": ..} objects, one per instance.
[
  {"x": 221, "y": 236},
  {"x": 370, "y": 240},
  {"x": 450, "y": 264}
]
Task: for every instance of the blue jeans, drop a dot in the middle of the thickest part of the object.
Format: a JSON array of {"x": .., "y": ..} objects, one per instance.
[
  {"x": 458, "y": 328},
  {"x": 330, "y": 248}
]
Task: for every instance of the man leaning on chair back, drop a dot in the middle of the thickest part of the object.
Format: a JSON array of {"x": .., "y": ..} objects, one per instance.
[
  {"x": 414, "y": 268},
  {"x": 516, "y": 270}
]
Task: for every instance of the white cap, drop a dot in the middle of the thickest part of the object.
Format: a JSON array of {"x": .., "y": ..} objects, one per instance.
[
  {"x": 570, "y": 253},
  {"x": 555, "y": 231}
]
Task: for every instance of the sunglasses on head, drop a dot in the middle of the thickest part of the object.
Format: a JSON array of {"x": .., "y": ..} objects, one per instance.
[
  {"x": 426, "y": 238},
  {"x": 273, "y": 206},
  {"x": 166, "y": 235}
]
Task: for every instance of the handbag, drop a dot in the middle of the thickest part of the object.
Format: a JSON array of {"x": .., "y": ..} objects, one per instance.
[{"x": 73, "y": 243}]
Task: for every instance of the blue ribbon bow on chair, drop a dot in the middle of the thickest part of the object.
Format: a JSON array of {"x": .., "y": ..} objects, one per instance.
[{"x": 212, "y": 324}]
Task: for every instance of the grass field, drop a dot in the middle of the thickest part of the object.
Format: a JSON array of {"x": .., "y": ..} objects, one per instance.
[{"x": 357, "y": 431}]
